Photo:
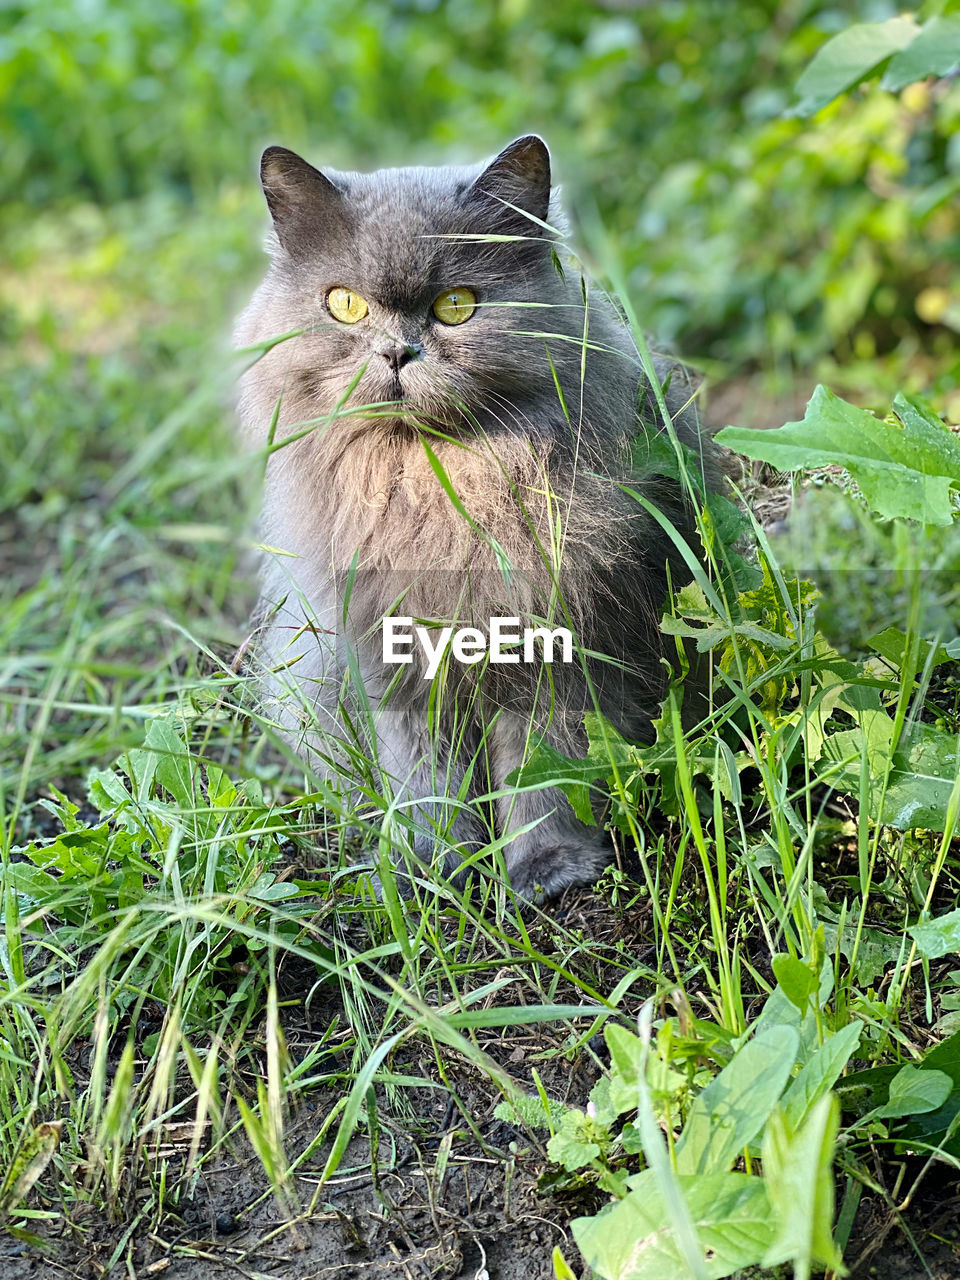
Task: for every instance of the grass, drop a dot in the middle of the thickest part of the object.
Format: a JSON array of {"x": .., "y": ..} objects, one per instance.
[{"x": 192, "y": 960}]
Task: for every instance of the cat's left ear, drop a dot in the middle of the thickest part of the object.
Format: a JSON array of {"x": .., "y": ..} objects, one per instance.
[{"x": 520, "y": 175}]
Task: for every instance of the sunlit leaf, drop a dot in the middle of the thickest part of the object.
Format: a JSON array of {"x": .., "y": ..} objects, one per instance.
[
  {"x": 819, "y": 1074},
  {"x": 734, "y": 1106},
  {"x": 904, "y": 469},
  {"x": 934, "y": 51},
  {"x": 797, "y": 980},
  {"x": 633, "y": 1240},
  {"x": 850, "y": 57},
  {"x": 797, "y": 1171},
  {"x": 914, "y": 1090}
]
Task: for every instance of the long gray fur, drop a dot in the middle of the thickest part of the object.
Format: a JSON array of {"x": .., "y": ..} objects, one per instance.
[{"x": 355, "y": 504}]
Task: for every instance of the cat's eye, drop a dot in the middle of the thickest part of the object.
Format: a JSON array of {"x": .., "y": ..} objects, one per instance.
[
  {"x": 455, "y": 305},
  {"x": 346, "y": 306}
]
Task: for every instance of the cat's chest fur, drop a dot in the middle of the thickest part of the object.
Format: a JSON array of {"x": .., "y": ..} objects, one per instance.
[
  {"x": 370, "y": 519},
  {"x": 396, "y": 502}
]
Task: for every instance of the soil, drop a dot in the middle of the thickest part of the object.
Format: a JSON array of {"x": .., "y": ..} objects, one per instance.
[
  {"x": 408, "y": 1228},
  {"x": 483, "y": 1219},
  {"x": 458, "y": 1194}
]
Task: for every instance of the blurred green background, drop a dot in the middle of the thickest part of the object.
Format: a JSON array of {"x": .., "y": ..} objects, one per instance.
[
  {"x": 770, "y": 251},
  {"x": 750, "y": 239}
]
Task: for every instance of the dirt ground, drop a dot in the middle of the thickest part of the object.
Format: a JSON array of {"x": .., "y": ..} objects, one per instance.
[
  {"x": 482, "y": 1220},
  {"x": 482, "y": 1214},
  {"x": 458, "y": 1194}
]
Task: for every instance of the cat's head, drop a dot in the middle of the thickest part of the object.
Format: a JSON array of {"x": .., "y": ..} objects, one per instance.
[{"x": 428, "y": 287}]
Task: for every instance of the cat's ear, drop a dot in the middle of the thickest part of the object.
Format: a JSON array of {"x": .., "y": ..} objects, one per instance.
[
  {"x": 520, "y": 175},
  {"x": 295, "y": 191}
]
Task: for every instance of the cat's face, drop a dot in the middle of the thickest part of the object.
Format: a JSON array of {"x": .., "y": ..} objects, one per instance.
[{"x": 400, "y": 297}]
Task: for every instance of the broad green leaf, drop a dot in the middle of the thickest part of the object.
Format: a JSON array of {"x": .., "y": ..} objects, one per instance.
[
  {"x": 921, "y": 776},
  {"x": 796, "y": 979},
  {"x": 269, "y": 889},
  {"x": 914, "y": 1090},
  {"x": 778, "y": 1011},
  {"x": 934, "y": 51},
  {"x": 633, "y": 1240},
  {"x": 819, "y": 1074},
  {"x": 797, "y": 1170},
  {"x": 904, "y": 469},
  {"x": 734, "y": 1106},
  {"x": 626, "y": 1054},
  {"x": 946, "y": 1057},
  {"x": 545, "y": 766},
  {"x": 106, "y": 791},
  {"x": 891, "y": 644},
  {"x": 575, "y": 1143},
  {"x": 709, "y": 637},
  {"x": 850, "y": 57},
  {"x": 873, "y": 736},
  {"x": 937, "y": 937},
  {"x": 221, "y": 791},
  {"x": 33, "y": 883},
  {"x": 631, "y": 1139},
  {"x": 174, "y": 769},
  {"x": 924, "y": 770},
  {"x": 140, "y": 766},
  {"x": 933, "y": 1127},
  {"x": 74, "y": 854},
  {"x": 939, "y": 1128}
]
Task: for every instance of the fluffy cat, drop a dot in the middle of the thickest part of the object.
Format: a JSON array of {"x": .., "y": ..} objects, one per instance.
[{"x": 455, "y": 418}]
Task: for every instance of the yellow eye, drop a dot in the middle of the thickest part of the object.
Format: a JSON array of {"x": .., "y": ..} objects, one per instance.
[
  {"x": 346, "y": 306},
  {"x": 455, "y": 306}
]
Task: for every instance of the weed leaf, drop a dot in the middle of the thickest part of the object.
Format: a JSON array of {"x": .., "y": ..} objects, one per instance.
[
  {"x": 904, "y": 469},
  {"x": 935, "y": 51},
  {"x": 173, "y": 770},
  {"x": 938, "y": 937},
  {"x": 849, "y": 58},
  {"x": 797, "y": 1171},
  {"x": 734, "y": 1106},
  {"x": 797, "y": 980},
  {"x": 819, "y": 1074},
  {"x": 633, "y": 1240},
  {"x": 914, "y": 1091}
]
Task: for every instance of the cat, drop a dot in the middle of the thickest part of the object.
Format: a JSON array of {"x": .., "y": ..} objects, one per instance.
[{"x": 451, "y": 431}]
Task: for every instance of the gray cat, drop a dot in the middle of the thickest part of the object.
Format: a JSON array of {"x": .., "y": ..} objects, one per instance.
[{"x": 455, "y": 415}]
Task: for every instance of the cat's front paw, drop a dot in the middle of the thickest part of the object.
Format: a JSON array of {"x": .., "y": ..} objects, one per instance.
[{"x": 544, "y": 871}]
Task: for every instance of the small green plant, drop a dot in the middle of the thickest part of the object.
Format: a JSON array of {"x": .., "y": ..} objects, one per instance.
[
  {"x": 767, "y": 1102},
  {"x": 767, "y": 1098}
]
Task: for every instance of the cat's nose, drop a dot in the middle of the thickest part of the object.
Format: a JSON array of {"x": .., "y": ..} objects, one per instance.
[{"x": 397, "y": 354}]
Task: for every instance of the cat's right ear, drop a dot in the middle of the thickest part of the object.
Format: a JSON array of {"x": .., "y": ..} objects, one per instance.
[
  {"x": 519, "y": 176},
  {"x": 295, "y": 191}
]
